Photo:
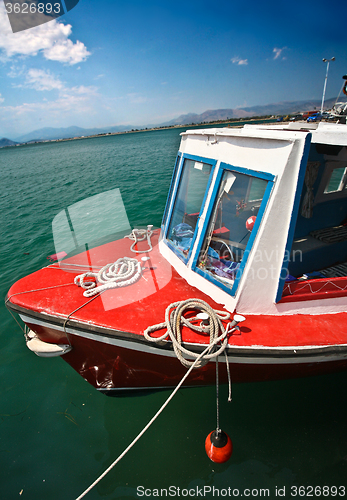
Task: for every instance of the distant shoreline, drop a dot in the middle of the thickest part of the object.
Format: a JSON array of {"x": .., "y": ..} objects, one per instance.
[{"x": 236, "y": 122}]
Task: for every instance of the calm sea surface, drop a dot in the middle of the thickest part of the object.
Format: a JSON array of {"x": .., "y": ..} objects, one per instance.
[{"x": 58, "y": 434}]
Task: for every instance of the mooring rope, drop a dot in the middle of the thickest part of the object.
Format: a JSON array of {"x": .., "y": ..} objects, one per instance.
[
  {"x": 37, "y": 290},
  {"x": 229, "y": 377},
  {"x": 217, "y": 396},
  {"x": 174, "y": 319},
  {"x": 68, "y": 266},
  {"x": 194, "y": 364}
]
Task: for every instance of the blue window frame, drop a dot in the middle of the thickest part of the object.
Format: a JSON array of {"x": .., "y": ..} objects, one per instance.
[
  {"x": 192, "y": 182},
  {"x": 294, "y": 217},
  {"x": 239, "y": 200},
  {"x": 168, "y": 201}
]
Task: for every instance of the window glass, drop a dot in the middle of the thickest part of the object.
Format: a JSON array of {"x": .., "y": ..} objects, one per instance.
[
  {"x": 336, "y": 180},
  {"x": 231, "y": 223},
  {"x": 168, "y": 201},
  {"x": 190, "y": 195},
  {"x": 257, "y": 189}
]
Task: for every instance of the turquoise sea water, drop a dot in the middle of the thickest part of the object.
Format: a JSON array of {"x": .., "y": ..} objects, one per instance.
[{"x": 58, "y": 434}]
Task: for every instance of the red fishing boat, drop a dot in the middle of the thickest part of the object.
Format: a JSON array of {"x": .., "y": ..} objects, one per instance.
[{"x": 249, "y": 267}]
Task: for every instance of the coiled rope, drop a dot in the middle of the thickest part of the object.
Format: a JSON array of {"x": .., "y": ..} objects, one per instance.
[
  {"x": 140, "y": 235},
  {"x": 174, "y": 319},
  {"x": 125, "y": 271}
]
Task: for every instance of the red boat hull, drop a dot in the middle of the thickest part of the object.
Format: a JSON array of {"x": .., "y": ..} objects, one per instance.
[{"x": 116, "y": 365}]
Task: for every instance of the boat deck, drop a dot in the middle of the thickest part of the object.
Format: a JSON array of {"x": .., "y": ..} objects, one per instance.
[{"x": 50, "y": 294}]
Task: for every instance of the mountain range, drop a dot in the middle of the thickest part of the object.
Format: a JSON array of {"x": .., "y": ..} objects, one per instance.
[
  {"x": 50, "y": 133},
  {"x": 7, "y": 142},
  {"x": 280, "y": 108}
]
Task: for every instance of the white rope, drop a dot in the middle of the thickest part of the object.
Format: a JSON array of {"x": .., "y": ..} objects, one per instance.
[
  {"x": 123, "y": 272},
  {"x": 140, "y": 235},
  {"x": 62, "y": 264},
  {"x": 309, "y": 285},
  {"x": 229, "y": 377},
  {"x": 205, "y": 352},
  {"x": 174, "y": 319}
]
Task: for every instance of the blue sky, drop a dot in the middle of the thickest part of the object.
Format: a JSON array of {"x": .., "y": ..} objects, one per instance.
[{"x": 110, "y": 62}]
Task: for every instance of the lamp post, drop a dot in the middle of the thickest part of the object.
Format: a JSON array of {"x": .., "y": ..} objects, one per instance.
[{"x": 325, "y": 81}]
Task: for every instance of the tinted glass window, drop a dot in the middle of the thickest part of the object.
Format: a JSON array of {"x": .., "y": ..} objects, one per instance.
[
  {"x": 231, "y": 223},
  {"x": 190, "y": 195}
]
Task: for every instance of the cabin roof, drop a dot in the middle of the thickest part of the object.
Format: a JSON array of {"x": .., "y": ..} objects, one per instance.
[
  {"x": 260, "y": 149},
  {"x": 322, "y": 132}
]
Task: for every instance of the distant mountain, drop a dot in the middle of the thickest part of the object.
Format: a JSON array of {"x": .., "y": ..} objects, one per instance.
[
  {"x": 7, "y": 142},
  {"x": 280, "y": 108},
  {"x": 50, "y": 133}
]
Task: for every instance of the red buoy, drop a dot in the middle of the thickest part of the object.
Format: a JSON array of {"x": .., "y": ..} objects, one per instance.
[
  {"x": 250, "y": 222},
  {"x": 218, "y": 446}
]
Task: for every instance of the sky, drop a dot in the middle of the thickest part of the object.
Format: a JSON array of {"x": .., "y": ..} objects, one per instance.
[{"x": 111, "y": 62}]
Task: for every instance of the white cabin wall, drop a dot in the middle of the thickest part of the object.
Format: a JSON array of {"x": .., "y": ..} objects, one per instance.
[
  {"x": 237, "y": 150},
  {"x": 259, "y": 284}
]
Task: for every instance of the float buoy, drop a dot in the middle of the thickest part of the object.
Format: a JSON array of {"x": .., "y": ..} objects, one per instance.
[
  {"x": 218, "y": 446},
  {"x": 250, "y": 222}
]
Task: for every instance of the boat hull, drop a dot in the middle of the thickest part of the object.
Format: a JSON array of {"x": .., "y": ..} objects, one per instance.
[{"x": 119, "y": 363}]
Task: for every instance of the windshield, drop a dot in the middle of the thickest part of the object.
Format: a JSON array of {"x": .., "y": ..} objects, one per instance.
[
  {"x": 234, "y": 218},
  {"x": 189, "y": 199}
]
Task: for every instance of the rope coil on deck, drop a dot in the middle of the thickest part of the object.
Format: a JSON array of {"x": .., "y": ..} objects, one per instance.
[
  {"x": 174, "y": 319},
  {"x": 125, "y": 271}
]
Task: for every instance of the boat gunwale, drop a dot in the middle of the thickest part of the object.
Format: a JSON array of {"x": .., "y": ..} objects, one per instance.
[{"x": 292, "y": 353}]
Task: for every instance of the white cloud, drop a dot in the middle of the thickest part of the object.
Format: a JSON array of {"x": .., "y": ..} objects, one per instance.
[
  {"x": 66, "y": 51},
  {"x": 15, "y": 71},
  {"x": 38, "y": 79},
  {"x": 1, "y": 99},
  {"x": 76, "y": 101},
  {"x": 77, "y": 94},
  {"x": 136, "y": 98},
  {"x": 50, "y": 39},
  {"x": 278, "y": 52},
  {"x": 240, "y": 62}
]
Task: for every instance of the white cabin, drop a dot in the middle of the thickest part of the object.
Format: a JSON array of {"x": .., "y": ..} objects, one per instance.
[{"x": 245, "y": 206}]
